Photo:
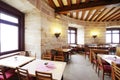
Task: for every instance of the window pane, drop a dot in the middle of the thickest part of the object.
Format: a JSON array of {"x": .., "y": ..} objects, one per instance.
[
  {"x": 9, "y": 37},
  {"x": 108, "y": 38},
  {"x": 115, "y": 31},
  {"x": 8, "y": 18},
  {"x": 68, "y": 31},
  {"x": 72, "y": 31},
  {"x": 115, "y": 38},
  {"x": 68, "y": 38},
  {"x": 72, "y": 38},
  {"x": 108, "y": 31}
]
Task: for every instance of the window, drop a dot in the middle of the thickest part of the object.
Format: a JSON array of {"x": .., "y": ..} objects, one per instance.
[
  {"x": 113, "y": 35},
  {"x": 72, "y": 35},
  {"x": 11, "y": 29}
]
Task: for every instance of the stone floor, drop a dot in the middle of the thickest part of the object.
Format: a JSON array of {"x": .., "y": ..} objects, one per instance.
[{"x": 80, "y": 68}]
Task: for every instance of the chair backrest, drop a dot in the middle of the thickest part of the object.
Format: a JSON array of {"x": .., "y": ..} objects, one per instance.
[
  {"x": 59, "y": 58},
  {"x": 48, "y": 55},
  {"x": 2, "y": 73},
  {"x": 87, "y": 49},
  {"x": 115, "y": 71},
  {"x": 60, "y": 53},
  {"x": 99, "y": 61},
  {"x": 118, "y": 51},
  {"x": 43, "y": 76},
  {"x": 23, "y": 74},
  {"x": 101, "y": 51},
  {"x": 94, "y": 55}
]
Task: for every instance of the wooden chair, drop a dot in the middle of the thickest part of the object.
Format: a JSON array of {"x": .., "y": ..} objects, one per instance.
[
  {"x": 87, "y": 52},
  {"x": 97, "y": 51},
  {"x": 59, "y": 56},
  {"x": 23, "y": 74},
  {"x": 115, "y": 71},
  {"x": 103, "y": 67},
  {"x": 6, "y": 74},
  {"x": 47, "y": 56},
  {"x": 43, "y": 76},
  {"x": 94, "y": 60}
]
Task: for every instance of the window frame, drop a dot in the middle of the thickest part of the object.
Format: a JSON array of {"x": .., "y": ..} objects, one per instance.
[
  {"x": 75, "y": 29},
  {"x": 7, "y": 9},
  {"x": 111, "y": 30}
]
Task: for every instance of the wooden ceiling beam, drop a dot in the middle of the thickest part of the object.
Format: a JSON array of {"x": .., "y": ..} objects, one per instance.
[
  {"x": 115, "y": 17},
  {"x": 106, "y": 14},
  {"x": 77, "y": 14},
  {"x": 83, "y": 14},
  {"x": 111, "y": 14},
  {"x": 61, "y": 3},
  {"x": 85, "y": 5},
  {"x": 88, "y": 15},
  {"x": 95, "y": 13},
  {"x": 78, "y": 2},
  {"x": 52, "y": 4},
  {"x": 87, "y": 1},
  {"x": 100, "y": 14},
  {"x": 71, "y": 14},
  {"x": 69, "y": 3}
]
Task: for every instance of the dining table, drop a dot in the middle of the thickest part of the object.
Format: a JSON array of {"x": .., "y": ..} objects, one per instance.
[
  {"x": 15, "y": 61},
  {"x": 55, "y": 67},
  {"x": 110, "y": 58},
  {"x": 98, "y": 51}
]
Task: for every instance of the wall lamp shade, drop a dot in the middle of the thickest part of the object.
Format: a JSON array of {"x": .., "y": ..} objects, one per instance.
[
  {"x": 57, "y": 35},
  {"x": 94, "y": 36}
]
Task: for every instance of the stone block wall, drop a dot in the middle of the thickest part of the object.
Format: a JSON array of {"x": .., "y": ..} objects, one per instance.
[{"x": 98, "y": 28}]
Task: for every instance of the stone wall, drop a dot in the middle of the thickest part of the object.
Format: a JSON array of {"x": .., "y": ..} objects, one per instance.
[
  {"x": 92, "y": 28},
  {"x": 49, "y": 25},
  {"x": 33, "y": 33},
  {"x": 98, "y": 28}
]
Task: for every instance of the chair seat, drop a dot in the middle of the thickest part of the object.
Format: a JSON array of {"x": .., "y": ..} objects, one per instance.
[
  {"x": 104, "y": 62},
  {"x": 8, "y": 74},
  {"x": 107, "y": 68},
  {"x": 87, "y": 53}
]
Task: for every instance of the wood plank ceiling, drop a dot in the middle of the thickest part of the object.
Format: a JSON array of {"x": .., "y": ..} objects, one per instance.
[{"x": 88, "y": 10}]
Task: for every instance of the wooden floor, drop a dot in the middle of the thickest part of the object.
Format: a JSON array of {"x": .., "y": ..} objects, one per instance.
[{"x": 80, "y": 68}]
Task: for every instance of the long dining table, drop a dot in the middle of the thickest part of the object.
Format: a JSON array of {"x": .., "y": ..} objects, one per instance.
[
  {"x": 98, "y": 51},
  {"x": 110, "y": 58},
  {"x": 54, "y": 67},
  {"x": 15, "y": 61}
]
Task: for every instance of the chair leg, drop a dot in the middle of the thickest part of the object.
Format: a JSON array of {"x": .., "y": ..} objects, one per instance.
[
  {"x": 103, "y": 75},
  {"x": 96, "y": 67},
  {"x": 85, "y": 56},
  {"x": 98, "y": 71},
  {"x": 93, "y": 65}
]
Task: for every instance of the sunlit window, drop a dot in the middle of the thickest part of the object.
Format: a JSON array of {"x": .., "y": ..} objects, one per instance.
[
  {"x": 113, "y": 35},
  {"x": 9, "y": 37},
  {"x": 72, "y": 34},
  {"x": 11, "y": 29},
  {"x": 8, "y": 32},
  {"x": 8, "y": 18}
]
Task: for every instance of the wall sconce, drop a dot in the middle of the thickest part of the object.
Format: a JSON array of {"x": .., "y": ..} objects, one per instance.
[
  {"x": 94, "y": 36},
  {"x": 57, "y": 35}
]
